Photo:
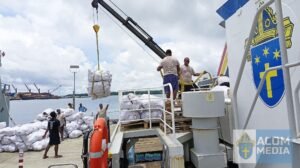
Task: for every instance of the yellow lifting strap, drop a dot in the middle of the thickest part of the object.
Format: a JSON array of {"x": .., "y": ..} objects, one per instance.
[
  {"x": 182, "y": 83},
  {"x": 96, "y": 29}
]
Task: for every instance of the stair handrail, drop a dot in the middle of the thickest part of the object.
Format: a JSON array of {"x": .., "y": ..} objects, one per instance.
[{"x": 297, "y": 105}]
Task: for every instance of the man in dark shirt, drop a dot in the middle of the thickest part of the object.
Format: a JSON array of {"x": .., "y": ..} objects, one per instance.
[{"x": 53, "y": 128}]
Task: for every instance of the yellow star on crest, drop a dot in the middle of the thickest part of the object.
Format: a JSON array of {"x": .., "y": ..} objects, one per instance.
[
  {"x": 276, "y": 54},
  {"x": 257, "y": 60},
  {"x": 266, "y": 51}
]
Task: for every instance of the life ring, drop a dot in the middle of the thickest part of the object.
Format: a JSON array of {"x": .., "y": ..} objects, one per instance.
[{"x": 98, "y": 152}]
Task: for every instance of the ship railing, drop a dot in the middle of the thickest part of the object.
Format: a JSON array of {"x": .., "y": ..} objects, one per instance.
[
  {"x": 150, "y": 109},
  {"x": 285, "y": 68}
]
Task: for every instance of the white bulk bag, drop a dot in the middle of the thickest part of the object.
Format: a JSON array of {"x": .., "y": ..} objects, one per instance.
[
  {"x": 6, "y": 140},
  {"x": 154, "y": 101},
  {"x": 40, "y": 145},
  {"x": 35, "y": 136},
  {"x": 68, "y": 111},
  {"x": 9, "y": 148},
  {"x": 129, "y": 115},
  {"x": 99, "y": 83},
  {"x": 75, "y": 134},
  {"x": 74, "y": 117},
  {"x": 2, "y": 125},
  {"x": 9, "y": 131}
]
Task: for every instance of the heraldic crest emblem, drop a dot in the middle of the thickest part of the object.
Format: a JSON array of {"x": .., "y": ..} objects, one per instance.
[{"x": 265, "y": 53}]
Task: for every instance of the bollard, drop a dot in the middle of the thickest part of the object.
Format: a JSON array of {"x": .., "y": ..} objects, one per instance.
[{"x": 21, "y": 154}]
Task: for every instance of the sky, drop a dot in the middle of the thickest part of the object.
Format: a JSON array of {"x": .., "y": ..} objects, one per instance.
[{"x": 43, "y": 38}]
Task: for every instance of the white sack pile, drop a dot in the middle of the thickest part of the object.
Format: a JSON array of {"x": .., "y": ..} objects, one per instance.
[
  {"x": 2, "y": 125},
  {"x": 99, "y": 84},
  {"x": 135, "y": 107},
  {"x": 30, "y": 136}
]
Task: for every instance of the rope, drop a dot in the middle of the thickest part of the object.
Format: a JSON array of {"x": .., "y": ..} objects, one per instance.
[
  {"x": 118, "y": 8},
  {"x": 92, "y": 92},
  {"x": 102, "y": 84},
  {"x": 96, "y": 29}
]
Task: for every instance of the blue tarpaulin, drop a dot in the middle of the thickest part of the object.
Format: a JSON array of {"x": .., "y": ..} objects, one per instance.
[{"x": 230, "y": 7}]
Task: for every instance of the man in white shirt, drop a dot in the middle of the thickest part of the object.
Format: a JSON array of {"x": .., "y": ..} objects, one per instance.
[
  {"x": 171, "y": 68},
  {"x": 62, "y": 119},
  {"x": 186, "y": 74}
]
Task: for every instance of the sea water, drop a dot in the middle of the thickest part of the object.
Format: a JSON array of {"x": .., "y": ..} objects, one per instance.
[{"x": 25, "y": 111}]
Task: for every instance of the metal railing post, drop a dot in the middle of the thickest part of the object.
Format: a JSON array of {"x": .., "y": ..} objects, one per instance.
[
  {"x": 150, "y": 117},
  {"x": 297, "y": 105},
  {"x": 164, "y": 109},
  {"x": 120, "y": 95},
  {"x": 172, "y": 108},
  {"x": 285, "y": 70}
]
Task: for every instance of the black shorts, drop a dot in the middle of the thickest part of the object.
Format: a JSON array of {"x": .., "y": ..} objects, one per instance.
[
  {"x": 54, "y": 139},
  {"x": 188, "y": 88}
]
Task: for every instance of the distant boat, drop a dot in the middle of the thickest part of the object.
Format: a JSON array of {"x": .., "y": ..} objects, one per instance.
[{"x": 30, "y": 96}]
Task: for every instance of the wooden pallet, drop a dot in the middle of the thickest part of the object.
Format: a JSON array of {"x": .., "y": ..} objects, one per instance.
[
  {"x": 182, "y": 124},
  {"x": 138, "y": 125},
  {"x": 156, "y": 164},
  {"x": 178, "y": 129},
  {"x": 144, "y": 145}
]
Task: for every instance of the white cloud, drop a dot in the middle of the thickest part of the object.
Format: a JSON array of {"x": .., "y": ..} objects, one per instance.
[{"x": 43, "y": 38}]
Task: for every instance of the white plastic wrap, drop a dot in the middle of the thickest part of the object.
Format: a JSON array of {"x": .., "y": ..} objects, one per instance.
[
  {"x": 28, "y": 128},
  {"x": 21, "y": 145},
  {"x": 41, "y": 117},
  {"x": 35, "y": 136},
  {"x": 74, "y": 117},
  {"x": 9, "y": 131},
  {"x": 2, "y": 125},
  {"x": 89, "y": 120},
  {"x": 9, "y": 148},
  {"x": 68, "y": 111},
  {"x": 6, "y": 140},
  {"x": 137, "y": 107},
  {"x": 13, "y": 138},
  {"x": 75, "y": 134},
  {"x": 99, "y": 84},
  {"x": 129, "y": 115},
  {"x": 80, "y": 121},
  {"x": 154, "y": 114},
  {"x": 84, "y": 127},
  {"x": 40, "y": 145},
  {"x": 72, "y": 126},
  {"x": 130, "y": 102}
]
